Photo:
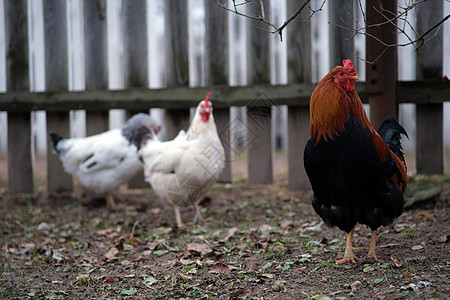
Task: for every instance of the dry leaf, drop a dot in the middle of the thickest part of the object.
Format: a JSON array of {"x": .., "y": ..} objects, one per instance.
[
  {"x": 201, "y": 248},
  {"x": 220, "y": 268},
  {"x": 355, "y": 284},
  {"x": 279, "y": 249},
  {"x": 417, "y": 247},
  {"x": 185, "y": 276},
  {"x": 112, "y": 253},
  {"x": 286, "y": 223},
  {"x": 264, "y": 227},
  {"x": 396, "y": 262},
  {"x": 109, "y": 280}
]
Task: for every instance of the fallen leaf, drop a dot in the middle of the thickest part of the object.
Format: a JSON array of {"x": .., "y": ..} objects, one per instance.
[
  {"x": 112, "y": 253},
  {"x": 265, "y": 227},
  {"x": 279, "y": 249},
  {"x": 355, "y": 284},
  {"x": 125, "y": 262},
  {"x": 109, "y": 280},
  {"x": 396, "y": 262},
  {"x": 130, "y": 292},
  {"x": 203, "y": 249},
  {"x": 155, "y": 211},
  {"x": 220, "y": 268},
  {"x": 417, "y": 247},
  {"x": 389, "y": 245},
  {"x": 286, "y": 223},
  {"x": 185, "y": 276}
]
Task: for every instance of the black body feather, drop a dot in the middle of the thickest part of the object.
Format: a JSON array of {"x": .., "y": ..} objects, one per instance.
[{"x": 351, "y": 183}]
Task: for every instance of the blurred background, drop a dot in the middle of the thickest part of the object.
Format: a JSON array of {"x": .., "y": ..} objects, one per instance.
[{"x": 237, "y": 62}]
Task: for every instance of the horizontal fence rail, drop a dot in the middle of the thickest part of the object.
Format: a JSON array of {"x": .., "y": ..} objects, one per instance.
[{"x": 416, "y": 92}]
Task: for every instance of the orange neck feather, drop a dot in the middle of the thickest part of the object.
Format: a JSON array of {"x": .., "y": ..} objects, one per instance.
[{"x": 330, "y": 107}]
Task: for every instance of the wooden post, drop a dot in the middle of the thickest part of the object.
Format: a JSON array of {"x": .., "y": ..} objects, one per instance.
[
  {"x": 96, "y": 58},
  {"x": 56, "y": 78},
  {"x": 217, "y": 62},
  {"x": 20, "y": 166},
  {"x": 341, "y": 40},
  {"x": 381, "y": 75},
  {"x": 259, "y": 115},
  {"x": 136, "y": 60},
  {"x": 299, "y": 70},
  {"x": 177, "y": 61},
  {"x": 429, "y": 117}
]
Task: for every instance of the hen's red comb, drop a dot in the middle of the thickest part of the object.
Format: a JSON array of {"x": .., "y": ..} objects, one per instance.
[
  {"x": 207, "y": 98},
  {"x": 349, "y": 65}
]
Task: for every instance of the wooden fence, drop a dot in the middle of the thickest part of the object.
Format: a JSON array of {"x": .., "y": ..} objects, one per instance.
[{"x": 381, "y": 89}]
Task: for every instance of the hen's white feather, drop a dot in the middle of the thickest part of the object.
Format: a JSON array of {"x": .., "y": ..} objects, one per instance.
[{"x": 185, "y": 168}]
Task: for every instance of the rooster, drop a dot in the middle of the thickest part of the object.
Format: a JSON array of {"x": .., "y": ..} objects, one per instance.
[
  {"x": 184, "y": 169},
  {"x": 358, "y": 175},
  {"x": 104, "y": 161}
]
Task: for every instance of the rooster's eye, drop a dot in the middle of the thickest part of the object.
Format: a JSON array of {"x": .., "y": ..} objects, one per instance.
[{"x": 342, "y": 73}]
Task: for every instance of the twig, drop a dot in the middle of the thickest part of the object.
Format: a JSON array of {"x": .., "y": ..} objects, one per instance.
[{"x": 134, "y": 227}]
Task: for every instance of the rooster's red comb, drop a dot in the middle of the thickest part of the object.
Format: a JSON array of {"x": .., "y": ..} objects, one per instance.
[
  {"x": 207, "y": 98},
  {"x": 349, "y": 66}
]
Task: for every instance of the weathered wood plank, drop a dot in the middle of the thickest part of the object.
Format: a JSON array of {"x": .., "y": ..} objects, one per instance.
[
  {"x": 293, "y": 94},
  {"x": 259, "y": 116},
  {"x": 96, "y": 122},
  {"x": 382, "y": 74},
  {"x": 217, "y": 63},
  {"x": 135, "y": 39},
  {"x": 96, "y": 62},
  {"x": 222, "y": 119},
  {"x": 177, "y": 62},
  {"x": 298, "y": 135},
  {"x": 20, "y": 166},
  {"x": 299, "y": 71},
  {"x": 430, "y": 153},
  {"x": 429, "y": 118},
  {"x": 57, "y": 179},
  {"x": 56, "y": 79},
  {"x": 340, "y": 14}
]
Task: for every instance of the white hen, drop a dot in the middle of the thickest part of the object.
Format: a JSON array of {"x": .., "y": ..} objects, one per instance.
[
  {"x": 104, "y": 161},
  {"x": 184, "y": 169}
]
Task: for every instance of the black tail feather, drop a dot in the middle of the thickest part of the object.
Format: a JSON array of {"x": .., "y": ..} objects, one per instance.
[
  {"x": 142, "y": 135},
  {"x": 390, "y": 131},
  {"x": 55, "y": 139}
]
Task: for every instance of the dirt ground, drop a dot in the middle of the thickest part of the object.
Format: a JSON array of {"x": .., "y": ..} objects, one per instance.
[{"x": 261, "y": 242}]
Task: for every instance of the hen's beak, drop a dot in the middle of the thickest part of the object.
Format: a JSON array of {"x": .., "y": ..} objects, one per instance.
[{"x": 355, "y": 77}]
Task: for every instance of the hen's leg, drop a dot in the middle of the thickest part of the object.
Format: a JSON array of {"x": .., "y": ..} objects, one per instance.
[
  {"x": 178, "y": 216},
  {"x": 373, "y": 241},
  {"x": 110, "y": 203},
  {"x": 349, "y": 256}
]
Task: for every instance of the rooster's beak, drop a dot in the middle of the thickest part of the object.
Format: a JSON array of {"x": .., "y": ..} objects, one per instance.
[{"x": 355, "y": 77}]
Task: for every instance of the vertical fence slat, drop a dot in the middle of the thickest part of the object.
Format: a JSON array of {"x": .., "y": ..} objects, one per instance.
[
  {"x": 429, "y": 117},
  {"x": 217, "y": 62},
  {"x": 381, "y": 75},
  {"x": 299, "y": 70},
  {"x": 136, "y": 67},
  {"x": 20, "y": 167},
  {"x": 96, "y": 58},
  {"x": 259, "y": 117},
  {"x": 177, "y": 61},
  {"x": 341, "y": 40},
  {"x": 56, "y": 79}
]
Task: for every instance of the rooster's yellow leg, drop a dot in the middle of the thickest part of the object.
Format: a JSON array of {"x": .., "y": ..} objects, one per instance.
[
  {"x": 178, "y": 216},
  {"x": 110, "y": 203},
  {"x": 349, "y": 256},
  {"x": 373, "y": 240}
]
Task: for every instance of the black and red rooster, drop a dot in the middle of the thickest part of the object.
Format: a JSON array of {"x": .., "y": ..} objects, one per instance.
[{"x": 358, "y": 175}]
